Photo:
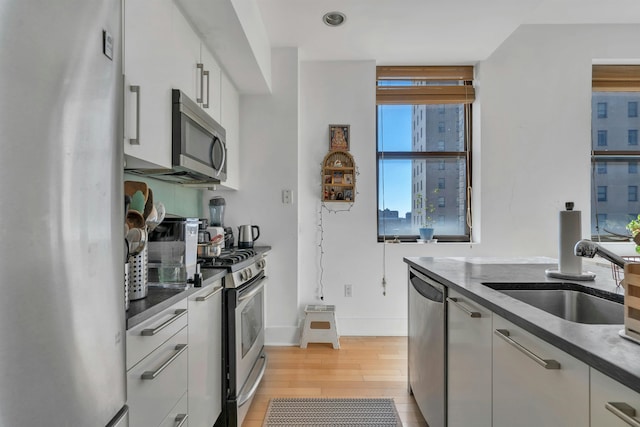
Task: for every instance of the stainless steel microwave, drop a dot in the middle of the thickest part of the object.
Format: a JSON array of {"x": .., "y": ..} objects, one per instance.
[{"x": 199, "y": 151}]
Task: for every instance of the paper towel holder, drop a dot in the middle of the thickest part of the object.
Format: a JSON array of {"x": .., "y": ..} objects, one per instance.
[{"x": 572, "y": 221}]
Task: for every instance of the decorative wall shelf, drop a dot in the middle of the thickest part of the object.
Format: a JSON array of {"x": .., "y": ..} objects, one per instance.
[{"x": 338, "y": 177}]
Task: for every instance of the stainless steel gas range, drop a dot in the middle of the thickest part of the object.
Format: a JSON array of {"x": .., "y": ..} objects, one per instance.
[{"x": 244, "y": 358}]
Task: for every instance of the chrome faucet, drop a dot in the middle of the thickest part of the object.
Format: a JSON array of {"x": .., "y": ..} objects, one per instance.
[{"x": 589, "y": 249}]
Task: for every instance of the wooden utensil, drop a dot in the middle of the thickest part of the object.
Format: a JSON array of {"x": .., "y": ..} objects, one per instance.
[
  {"x": 135, "y": 219},
  {"x": 130, "y": 187},
  {"x": 148, "y": 205}
]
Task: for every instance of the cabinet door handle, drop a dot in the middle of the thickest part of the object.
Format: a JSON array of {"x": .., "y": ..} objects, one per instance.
[
  {"x": 181, "y": 419},
  {"x": 152, "y": 375},
  {"x": 206, "y": 104},
  {"x": 470, "y": 313},
  {"x": 623, "y": 411},
  {"x": 136, "y": 140},
  {"x": 152, "y": 331},
  {"x": 209, "y": 295},
  {"x": 201, "y": 68},
  {"x": 545, "y": 363}
]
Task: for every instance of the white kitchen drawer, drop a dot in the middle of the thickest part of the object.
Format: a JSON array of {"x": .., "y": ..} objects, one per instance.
[
  {"x": 149, "y": 335},
  {"x": 178, "y": 416},
  {"x": 152, "y": 398},
  {"x": 605, "y": 391}
]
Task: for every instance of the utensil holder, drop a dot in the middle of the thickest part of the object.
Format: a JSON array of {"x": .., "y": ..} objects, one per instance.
[
  {"x": 631, "y": 283},
  {"x": 126, "y": 286},
  {"x": 138, "y": 277}
]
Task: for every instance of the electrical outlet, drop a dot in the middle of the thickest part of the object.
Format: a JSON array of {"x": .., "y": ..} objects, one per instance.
[
  {"x": 348, "y": 291},
  {"x": 287, "y": 197}
]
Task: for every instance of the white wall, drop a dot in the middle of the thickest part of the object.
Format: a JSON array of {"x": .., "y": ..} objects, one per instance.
[
  {"x": 531, "y": 154},
  {"x": 268, "y": 164}
]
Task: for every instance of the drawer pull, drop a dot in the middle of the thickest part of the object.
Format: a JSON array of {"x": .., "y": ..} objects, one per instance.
[
  {"x": 623, "y": 411},
  {"x": 181, "y": 419},
  {"x": 152, "y": 331},
  {"x": 209, "y": 295},
  {"x": 152, "y": 375},
  {"x": 470, "y": 313},
  {"x": 545, "y": 363}
]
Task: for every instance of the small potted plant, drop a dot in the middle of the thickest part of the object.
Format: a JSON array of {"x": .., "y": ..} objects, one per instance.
[
  {"x": 426, "y": 221},
  {"x": 634, "y": 228}
]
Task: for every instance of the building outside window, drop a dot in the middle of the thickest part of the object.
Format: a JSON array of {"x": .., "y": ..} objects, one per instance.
[
  {"x": 437, "y": 144},
  {"x": 602, "y": 138},
  {"x": 602, "y": 110},
  {"x": 602, "y": 168},
  {"x": 616, "y": 93}
]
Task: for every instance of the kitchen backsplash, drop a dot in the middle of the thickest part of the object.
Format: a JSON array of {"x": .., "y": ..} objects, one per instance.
[{"x": 177, "y": 200}]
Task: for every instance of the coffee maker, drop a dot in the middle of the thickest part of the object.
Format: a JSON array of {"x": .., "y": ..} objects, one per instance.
[{"x": 217, "y": 207}]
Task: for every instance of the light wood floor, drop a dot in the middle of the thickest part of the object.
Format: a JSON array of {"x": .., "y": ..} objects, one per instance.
[{"x": 362, "y": 367}]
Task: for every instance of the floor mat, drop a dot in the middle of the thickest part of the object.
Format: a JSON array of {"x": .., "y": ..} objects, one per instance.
[{"x": 330, "y": 412}]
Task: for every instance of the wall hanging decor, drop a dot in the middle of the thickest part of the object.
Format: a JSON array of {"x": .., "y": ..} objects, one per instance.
[
  {"x": 339, "y": 177},
  {"x": 339, "y": 137}
]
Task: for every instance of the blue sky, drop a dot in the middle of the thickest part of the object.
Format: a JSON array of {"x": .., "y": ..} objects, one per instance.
[{"x": 394, "y": 127}]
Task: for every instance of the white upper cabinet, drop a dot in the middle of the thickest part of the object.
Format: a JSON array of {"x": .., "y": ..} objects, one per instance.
[{"x": 147, "y": 77}]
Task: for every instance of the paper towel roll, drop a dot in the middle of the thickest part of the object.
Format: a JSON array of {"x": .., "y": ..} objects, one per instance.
[{"x": 570, "y": 234}]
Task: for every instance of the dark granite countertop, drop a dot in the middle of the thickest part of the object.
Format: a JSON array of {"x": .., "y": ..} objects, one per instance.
[
  {"x": 158, "y": 299},
  {"x": 599, "y": 346}
]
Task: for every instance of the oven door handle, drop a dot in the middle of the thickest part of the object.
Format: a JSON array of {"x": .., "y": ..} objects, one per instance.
[
  {"x": 244, "y": 397},
  {"x": 256, "y": 288}
]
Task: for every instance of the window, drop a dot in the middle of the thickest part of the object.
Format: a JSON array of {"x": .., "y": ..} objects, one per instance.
[
  {"x": 602, "y": 168},
  {"x": 616, "y": 88},
  {"x": 602, "y": 193},
  {"x": 446, "y": 95},
  {"x": 602, "y": 110},
  {"x": 602, "y": 138}
]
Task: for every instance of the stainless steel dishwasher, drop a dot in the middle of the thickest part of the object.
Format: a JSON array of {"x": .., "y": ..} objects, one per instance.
[{"x": 427, "y": 347}]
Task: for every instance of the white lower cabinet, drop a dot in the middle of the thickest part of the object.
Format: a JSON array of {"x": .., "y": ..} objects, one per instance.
[
  {"x": 525, "y": 392},
  {"x": 205, "y": 355},
  {"x": 158, "y": 382},
  {"x": 157, "y": 358},
  {"x": 612, "y": 404},
  {"x": 469, "y": 362},
  {"x": 178, "y": 417}
]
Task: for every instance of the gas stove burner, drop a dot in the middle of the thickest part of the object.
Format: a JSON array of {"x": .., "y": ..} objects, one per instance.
[{"x": 230, "y": 257}]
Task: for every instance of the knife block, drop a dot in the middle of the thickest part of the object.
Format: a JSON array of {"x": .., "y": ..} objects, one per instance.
[{"x": 631, "y": 285}]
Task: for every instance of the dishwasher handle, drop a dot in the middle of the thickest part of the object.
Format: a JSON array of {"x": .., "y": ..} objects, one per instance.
[{"x": 426, "y": 287}]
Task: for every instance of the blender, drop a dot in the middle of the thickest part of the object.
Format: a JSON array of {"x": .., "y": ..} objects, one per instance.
[{"x": 216, "y": 217}]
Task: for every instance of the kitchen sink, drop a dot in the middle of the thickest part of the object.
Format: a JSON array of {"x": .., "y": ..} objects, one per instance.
[{"x": 569, "y": 301}]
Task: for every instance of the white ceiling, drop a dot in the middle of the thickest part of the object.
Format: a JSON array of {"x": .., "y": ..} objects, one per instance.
[{"x": 423, "y": 31}]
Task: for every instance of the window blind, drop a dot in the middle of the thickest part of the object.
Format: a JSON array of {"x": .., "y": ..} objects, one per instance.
[
  {"x": 425, "y": 85},
  {"x": 616, "y": 78}
]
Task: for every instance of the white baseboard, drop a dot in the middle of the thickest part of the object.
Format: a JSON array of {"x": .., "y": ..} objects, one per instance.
[{"x": 359, "y": 327}]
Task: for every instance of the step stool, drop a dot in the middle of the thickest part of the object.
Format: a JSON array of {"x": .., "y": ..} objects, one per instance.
[{"x": 320, "y": 325}]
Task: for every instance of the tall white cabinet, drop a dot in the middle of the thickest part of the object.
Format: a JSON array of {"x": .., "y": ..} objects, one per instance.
[
  {"x": 469, "y": 362},
  {"x": 526, "y": 393}
]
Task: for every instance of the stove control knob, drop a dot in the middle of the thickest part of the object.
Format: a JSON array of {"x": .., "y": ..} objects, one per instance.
[
  {"x": 243, "y": 275},
  {"x": 250, "y": 273},
  {"x": 261, "y": 264}
]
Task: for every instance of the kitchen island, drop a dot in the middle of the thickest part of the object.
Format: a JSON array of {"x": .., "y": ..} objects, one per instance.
[{"x": 599, "y": 346}]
